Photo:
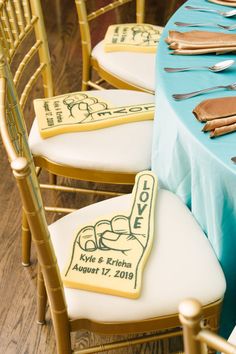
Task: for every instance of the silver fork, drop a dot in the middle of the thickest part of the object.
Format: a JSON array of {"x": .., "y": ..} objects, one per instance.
[
  {"x": 183, "y": 96},
  {"x": 229, "y": 13},
  {"x": 226, "y": 27}
]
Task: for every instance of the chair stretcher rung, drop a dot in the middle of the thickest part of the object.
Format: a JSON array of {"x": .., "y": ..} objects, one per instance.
[
  {"x": 78, "y": 190},
  {"x": 105, "y": 9}
]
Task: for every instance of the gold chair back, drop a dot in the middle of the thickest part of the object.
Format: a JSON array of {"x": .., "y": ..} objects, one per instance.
[
  {"x": 14, "y": 138},
  {"x": 21, "y": 23},
  {"x": 84, "y": 23},
  {"x": 23, "y": 37},
  {"x": 197, "y": 338}
]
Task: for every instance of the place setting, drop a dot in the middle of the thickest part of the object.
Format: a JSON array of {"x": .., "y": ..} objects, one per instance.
[
  {"x": 202, "y": 42},
  {"x": 225, "y": 14},
  {"x": 218, "y": 114}
]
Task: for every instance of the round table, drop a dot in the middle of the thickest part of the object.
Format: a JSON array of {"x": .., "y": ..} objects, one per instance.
[{"x": 186, "y": 160}]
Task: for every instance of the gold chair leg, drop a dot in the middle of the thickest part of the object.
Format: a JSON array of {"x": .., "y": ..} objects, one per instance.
[
  {"x": 41, "y": 298},
  {"x": 62, "y": 334},
  {"x": 60, "y": 319},
  {"x": 26, "y": 241}
]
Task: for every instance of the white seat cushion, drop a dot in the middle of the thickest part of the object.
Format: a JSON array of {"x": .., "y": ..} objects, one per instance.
[
  {"x": 124, "y": 148},
  {"x": 181, "y": 264},
  {"x": 136, "y": 68}
]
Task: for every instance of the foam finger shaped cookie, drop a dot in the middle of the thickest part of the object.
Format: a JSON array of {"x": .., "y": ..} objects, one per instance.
[{"x": 109, "y": 256}]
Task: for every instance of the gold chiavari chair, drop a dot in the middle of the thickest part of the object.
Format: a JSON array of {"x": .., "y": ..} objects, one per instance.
[
  {"x": 180, "y": 264},
  {"x": 102, "y": 156},
  {"x": 127, "y": 70},
  {"x": 198, "y": 338}
]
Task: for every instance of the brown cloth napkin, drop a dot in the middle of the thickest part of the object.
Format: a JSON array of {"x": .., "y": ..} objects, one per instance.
[
  {"x": 201, "y": 42},
  {"x": 231, "y": 3},
  {"x": 219, "y": 113}
]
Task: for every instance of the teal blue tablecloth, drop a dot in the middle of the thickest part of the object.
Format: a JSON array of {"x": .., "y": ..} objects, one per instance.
[{"x": 186, "y": 160}]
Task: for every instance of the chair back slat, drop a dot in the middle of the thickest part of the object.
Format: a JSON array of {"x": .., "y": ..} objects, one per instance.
[
  {"x": 30, "y": 84},
  {"x": 7, "y": 27},
  {"x": 8, "y": 132},
  {"x": 4, "y": 39},
  {"x": 13, "y": 129},
  {"x": 140, "y": 7},
  {"x": 13, "y": 20},
  {"x": 23, "y": 64},
  {"x": 22, "y": 22},
  {"x": 15, "y": 134},
  {"x": 44, "y": 56},
  {"x": 84, "y": 31},
  {"x": 102, "y": 10},
  {"x": 12, "y": 15},
  {"x": 20, "y": 15},
  {"x": 27, "y": 12}
]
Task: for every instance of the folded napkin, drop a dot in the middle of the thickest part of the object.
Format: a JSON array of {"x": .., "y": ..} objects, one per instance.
[
  {"x": 219, "y": 113},
  {"x": 231, "y": 3},
  {"x": 132, "y": 37},
  {"x": 201, "y": 42}
]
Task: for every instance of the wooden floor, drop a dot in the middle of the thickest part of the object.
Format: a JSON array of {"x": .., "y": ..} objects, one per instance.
[{"x": 19, "y": 332}]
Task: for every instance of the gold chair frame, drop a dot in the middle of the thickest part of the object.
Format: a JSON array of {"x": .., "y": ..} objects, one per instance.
[
  {"x": 90, "y": 63},
  {"x": 18, "y": 20},
  {"x": 197, "y": 338},
  {"x": 14, "y": 136}
]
